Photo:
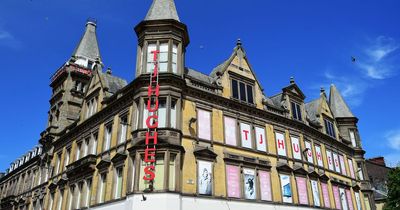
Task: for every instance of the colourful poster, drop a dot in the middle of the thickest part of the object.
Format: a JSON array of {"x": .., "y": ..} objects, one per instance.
[
  {"x": 309, "y": 152},
  {"x": 232, "y": 173},
  {"x": 261, "y": 140},
  {"x": 245, "y": 133},
  {"x": 349, "y": 199},
  {"x": 319, "y": 156},
  {"x": 280, "y": 144},
  {"x": 302, "y": 190},
  {"x": 249, "y": 183},
  {"x": 351, "y": 168},
  {"x": 342, "y": 165},
  {"x": 325, "y": 195},
  {"x": 330, "y": 160},
  {"x": 230, "y": 131},
  {"x": 204, "y": 124},
  {"x": 315, "y": 192},
  {"x": 286, "y": 189},
  {"x": 265, "y": 185},
  {"x": 336, "y": 162},
  {"x": 204, "y": 178},
  {"x": 296, "y": 148},
  {"x": 343, "y": 198},
  {"x": 337, "y": 197}
]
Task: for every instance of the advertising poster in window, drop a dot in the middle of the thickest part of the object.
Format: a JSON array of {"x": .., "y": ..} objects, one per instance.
[
  {"x": 343, "y": 198},
  {"x": 230, "y": 131},
  {"x": 249, "y": 178},
  {"x": 309, "y": 152},
  {"x": 280, "y": 144},
  {"x": 302, "y": 190},
  {"x": 349, "y": 200},
  {"x": 342, "y": 165},
  {"x": 336, "y": 162},
  {"x": 330, "y": 160},
  {"x": 261, "y": 139},
  {"x": 337, "y": 197},
  {"x": 286, "y": 189},
  {"x": 315, "y": 192},
  {"x": 296, "y": 148},
  {"x": 351, "y": 168},
  {"x": 358, "y": 200},
  {"x": 319, "y": 155},
  {"x": 204, "y": 124},
  {"x": 325, "y": 195},
  {"x": 245, "y": 133},
  {"x": 265, "y": 185},
  {"x": 232, "y": 174},
  {"x": 204, "y": 177}
]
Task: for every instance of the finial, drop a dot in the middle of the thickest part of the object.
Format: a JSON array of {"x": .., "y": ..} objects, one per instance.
[
  {"x": 109, "y": 71},
  {"x": 322, "y": 90},
  {"x": 291, "y": 80},
  {"x": 239, "y": 42}
]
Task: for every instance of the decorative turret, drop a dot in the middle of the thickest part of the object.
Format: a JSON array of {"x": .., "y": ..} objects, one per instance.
[{"x": 161, "y": 31}]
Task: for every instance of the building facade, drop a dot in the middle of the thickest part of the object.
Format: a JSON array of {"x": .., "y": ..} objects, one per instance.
[
  {"x": 221, "y": 142},
  {"x": 378, "y": 176}
]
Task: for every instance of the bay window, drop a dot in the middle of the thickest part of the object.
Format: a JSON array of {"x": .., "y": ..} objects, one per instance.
[
  {"x": 167, "y": 51},
  {"x": 166, "y": 113}
]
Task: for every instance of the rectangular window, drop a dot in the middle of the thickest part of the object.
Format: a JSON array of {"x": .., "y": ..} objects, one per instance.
[
  {"x": 233, "y": 181},
  {"x": 353, "y": 138},
  {"x": 336, "y": 162},
  {"x": 93, "y": 144},
  {"x": 78, "y": 198},
  {"x": 349, "y": 199},
  {"x": 366, "y": 202},
  {"x": 309, "y": 152},
  {"x": 173, "y": 113},
  {"x": 280, "y": 144},
  {"x": 302, "y": 190},
  {"x": 360, "y": 171},
  {"x": 342, "y": 166},
  {"x": 336, "y": 196},
  {"x": 358, "y": 200},
  {"x": 85, "y": 147},
  {"x": 325, "y": 195},
  {"x": 172, "y": 169},
  {"x": 286, "y": 188},
  {"x": 235, "y": 90},
  {"x": 350, "y": 161},
  {"x": 296, "y": 111},
  {"x": 50, "y": 207},
  {"x": 329, "y": 128},
  {"x": 242, "y": 88},
  {"x": 230, "y": 131},
  {"x": 78, "y": 150},
  {"x": 315, "y": 192},
  {"x": 123, "y": 127},
  {"x": 343, "y": 199},
  {"x": 88, "y": 193},
  {"x": 158, "y": 182},
  {"x": 245, "y": 133},
  {"x": 265, "y": 185},
  {"x": 60, "y": 200},
  {"x": 250, "y": 94},
  {"x": 174, "y": 58},
  {"x": 101, "y": 193},
  {"x": 204, "y": 124},
  {"x": 249, "y": 184},
  {"x": 261, "y": 140},
  {"x": 163, "y": 57},
  {"x": 150, "y": 56},
  {"x": 319, "y": 156},
  {"x": 107, "y": 137},
  {"x": 296, "y": 148},
  {"x": 162, "y": 113},
  {"x": 205, "y": 177},
  {"x": 118, "y": 183},
  {"x": 329, "y": 159}
]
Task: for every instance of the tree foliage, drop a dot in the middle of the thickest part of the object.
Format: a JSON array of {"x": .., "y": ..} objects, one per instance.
[{"x": 393, "y": 200}]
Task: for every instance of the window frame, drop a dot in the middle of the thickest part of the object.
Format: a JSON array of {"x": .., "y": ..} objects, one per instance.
[
  {"x": 246, "y": 92},
  {"x": 170, "y": 63}
]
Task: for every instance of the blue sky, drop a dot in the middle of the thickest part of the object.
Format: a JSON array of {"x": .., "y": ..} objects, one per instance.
[{"x": 311, "y": 40}]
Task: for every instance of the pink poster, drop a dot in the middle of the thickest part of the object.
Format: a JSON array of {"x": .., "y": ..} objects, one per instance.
[
  {"x": 302, "y": 189},
  {"x": 230, "y": 131},
  {"x": 349, "y": 200},
  {"x": 336, "y": 162},
  {"x": 351, "y": 168},
  {"x": 325, "y": 195},
  {"x": 204, "y": 124},
  {"x": 337, "y": 197},
  {"x": 265, "y": 186},
  {"x": 319, "y": 156},
  {"x": 341, "y": 159},
  {"x": 232, "y": 174}
]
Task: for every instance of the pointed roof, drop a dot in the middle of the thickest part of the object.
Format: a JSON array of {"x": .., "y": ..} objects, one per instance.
[
  {"x": 88, "y": 47},
  {"x": 162, "y": 10},
  {"x": 337, "y": 104}
]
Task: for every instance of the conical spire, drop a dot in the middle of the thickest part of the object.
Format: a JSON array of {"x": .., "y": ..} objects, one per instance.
[
  {"x": 162, "y": 10},
  {"x": 337, "y": 104},
  {"x": 88, "y": 47}
]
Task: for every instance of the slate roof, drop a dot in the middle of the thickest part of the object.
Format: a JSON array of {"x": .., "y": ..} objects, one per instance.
[
  {"x": 337, "y": 104},
  {"x": 88, "y": 46},
  {"x": 193, "y": 74},
  {"x": 162, "y": 10},
  {"x": 312, "y": 111},
  {"x": 276, "y": 99},
  {"x": 113, "y": 83}
]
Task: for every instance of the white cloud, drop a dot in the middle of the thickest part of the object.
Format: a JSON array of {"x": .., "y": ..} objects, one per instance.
[
  {"x": 393, "y": 138},
  {"x": 392, "y": 159},
  {"x": 8, "y": 40}
]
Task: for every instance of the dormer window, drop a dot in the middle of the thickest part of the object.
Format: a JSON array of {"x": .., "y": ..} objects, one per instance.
[
  {"x": 166, "y": 52},
  {"x": 296, "y": 111},
  {"x": 242, "y": 91},
  {"x": 329, "y": 128},
  {"x": 80, "y": 86}
]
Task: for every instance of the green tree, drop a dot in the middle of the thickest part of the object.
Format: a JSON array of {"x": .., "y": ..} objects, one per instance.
[{"x": 393, "y": 200}]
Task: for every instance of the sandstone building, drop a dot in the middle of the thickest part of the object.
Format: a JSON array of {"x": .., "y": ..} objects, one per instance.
[{"x": 222, "y": 142}]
